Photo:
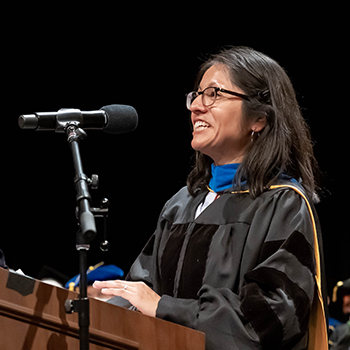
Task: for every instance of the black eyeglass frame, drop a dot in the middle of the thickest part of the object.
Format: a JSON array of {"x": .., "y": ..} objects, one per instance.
[{"x": 216, "y": 89}]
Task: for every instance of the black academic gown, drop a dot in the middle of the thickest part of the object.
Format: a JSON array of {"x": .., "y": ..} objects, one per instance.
[
  {"x": 340, "y": 338},
  {"x": 242, "y": 272}
]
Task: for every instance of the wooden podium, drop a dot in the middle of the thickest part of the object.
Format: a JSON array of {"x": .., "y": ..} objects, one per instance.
[{"x": 32, "y": 316}]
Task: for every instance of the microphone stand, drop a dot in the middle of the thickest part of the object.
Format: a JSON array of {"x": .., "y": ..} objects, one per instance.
[{"x": 86, "y": 233}]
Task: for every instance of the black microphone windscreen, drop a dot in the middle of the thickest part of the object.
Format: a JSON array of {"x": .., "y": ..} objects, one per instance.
[{"x": 120, "y": 119}]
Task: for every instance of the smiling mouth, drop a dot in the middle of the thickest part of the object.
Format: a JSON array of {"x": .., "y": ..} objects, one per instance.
[{"x": 200, "y": 125}]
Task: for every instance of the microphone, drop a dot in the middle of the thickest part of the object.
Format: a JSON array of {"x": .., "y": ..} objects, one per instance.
[{"x": 113, "y": 119}]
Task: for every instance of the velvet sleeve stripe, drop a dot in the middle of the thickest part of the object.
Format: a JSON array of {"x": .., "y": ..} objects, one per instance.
[
  {"x": 271, "y": 279},
  {"x": 269, "y": 248},
  {"x": 287, "y": 273},
  {"x": 297, "y": 245},
  {"x": 286, "y": 263},
  {"x": 265, "y": 322}
]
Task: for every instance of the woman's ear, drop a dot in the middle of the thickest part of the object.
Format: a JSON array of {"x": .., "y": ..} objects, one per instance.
[{"x": 259, "y": 124}]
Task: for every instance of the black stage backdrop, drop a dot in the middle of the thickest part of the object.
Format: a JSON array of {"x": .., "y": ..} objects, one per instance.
[{"x": 71, "y": 60}]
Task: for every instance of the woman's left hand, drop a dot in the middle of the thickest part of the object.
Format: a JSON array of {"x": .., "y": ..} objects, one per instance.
[{"x": 137, "y": 293}]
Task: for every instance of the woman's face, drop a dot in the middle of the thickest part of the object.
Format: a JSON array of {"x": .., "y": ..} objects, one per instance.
[{"x": 219, "y": 130}]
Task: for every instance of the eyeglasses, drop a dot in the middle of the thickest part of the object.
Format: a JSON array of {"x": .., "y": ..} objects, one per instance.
[{"x": 209, "y": 96}]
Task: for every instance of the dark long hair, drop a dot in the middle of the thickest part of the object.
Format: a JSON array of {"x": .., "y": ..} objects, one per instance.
[{"x": 284, "y": 145}]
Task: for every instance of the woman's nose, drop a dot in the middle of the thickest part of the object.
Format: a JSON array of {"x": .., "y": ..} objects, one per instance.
[{"x": 198, "y": 106}]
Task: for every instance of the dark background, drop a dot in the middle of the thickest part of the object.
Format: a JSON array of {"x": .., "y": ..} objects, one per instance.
[{"x": 65, "y": 58}]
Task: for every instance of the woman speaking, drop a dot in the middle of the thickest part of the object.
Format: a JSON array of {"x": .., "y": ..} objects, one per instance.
[{"x": 237, "y": 253}]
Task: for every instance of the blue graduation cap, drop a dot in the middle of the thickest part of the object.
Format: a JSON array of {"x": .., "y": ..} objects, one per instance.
[{"x": 99, "y": 272}]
